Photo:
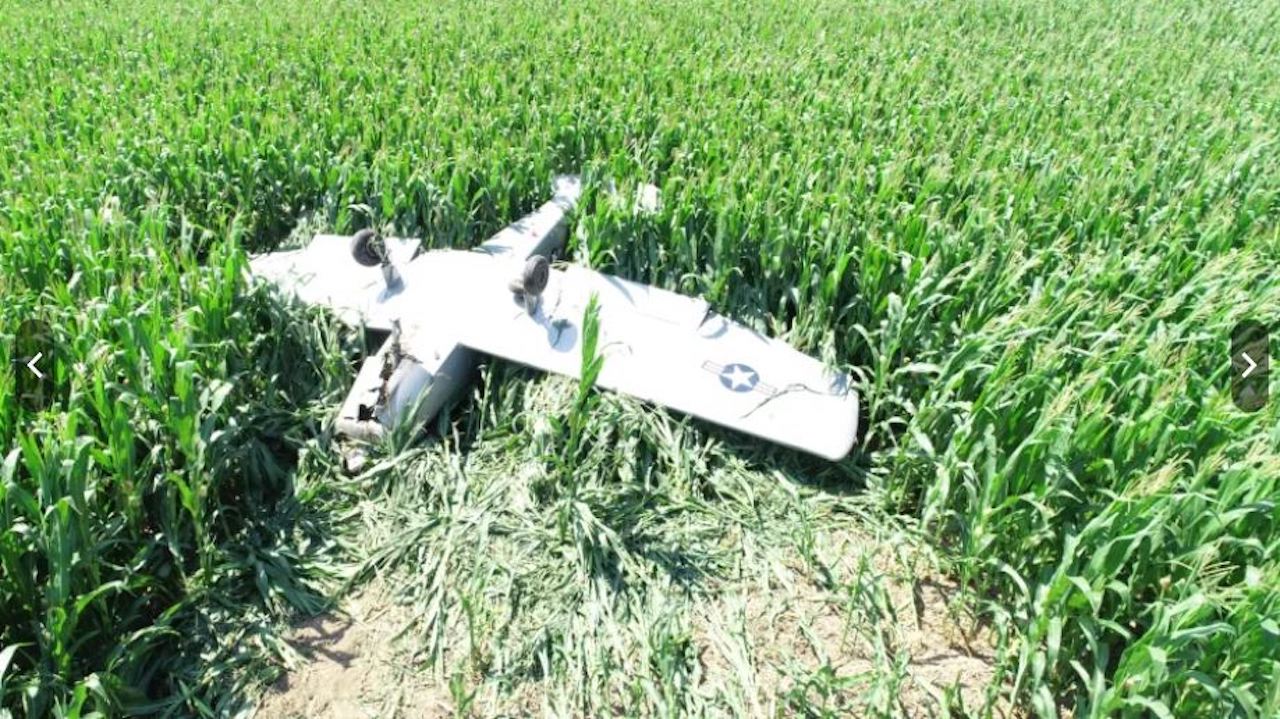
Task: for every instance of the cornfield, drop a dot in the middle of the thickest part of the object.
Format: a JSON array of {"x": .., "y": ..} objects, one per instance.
[{"x": 1027, "y": 229}]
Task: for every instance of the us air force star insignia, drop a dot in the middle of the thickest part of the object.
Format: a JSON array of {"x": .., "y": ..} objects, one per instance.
[{"x": 739, "y": 377}]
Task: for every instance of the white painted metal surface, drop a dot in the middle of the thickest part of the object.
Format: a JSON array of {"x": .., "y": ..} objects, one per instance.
[
  {"x": 323, "y": 273},
  {"x": 658, "y": 345},
  {"x": 671, "y": 350}
]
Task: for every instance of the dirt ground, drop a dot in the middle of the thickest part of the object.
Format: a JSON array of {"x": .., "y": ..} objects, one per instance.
[
  {"x": 353, "y": 663},
  {"x": 352, "y": 667}
]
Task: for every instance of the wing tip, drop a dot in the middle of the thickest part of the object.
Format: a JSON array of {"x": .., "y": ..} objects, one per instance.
[{"x": 846, "y": 441}]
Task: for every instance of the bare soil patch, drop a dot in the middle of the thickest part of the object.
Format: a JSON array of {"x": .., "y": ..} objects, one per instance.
[
  {"x": 893, "y": 629},
  {"x": 883, "y": 628},
  {"x": 351, "y": 665}
]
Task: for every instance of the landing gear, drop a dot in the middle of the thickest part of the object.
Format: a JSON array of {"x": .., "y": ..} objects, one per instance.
[
  {"x": 367, "y": 248},
  {"x": 532, "y": 281}
]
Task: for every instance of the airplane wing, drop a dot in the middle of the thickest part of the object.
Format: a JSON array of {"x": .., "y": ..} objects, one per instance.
[
  {"x": 323, "y": 273},
  {"x": 671, "y": 350}
]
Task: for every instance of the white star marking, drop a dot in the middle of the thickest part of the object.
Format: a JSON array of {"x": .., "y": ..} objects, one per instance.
[{"x": 740, "y": 378}]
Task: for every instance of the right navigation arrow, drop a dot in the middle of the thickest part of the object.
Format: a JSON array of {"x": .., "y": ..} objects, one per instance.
[
  {"x": 1249, "y": 361},
  {"x": 1250, "y": 365}
]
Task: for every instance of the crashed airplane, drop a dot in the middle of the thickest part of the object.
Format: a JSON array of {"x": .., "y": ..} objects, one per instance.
[{"x": 439, "y": 310}]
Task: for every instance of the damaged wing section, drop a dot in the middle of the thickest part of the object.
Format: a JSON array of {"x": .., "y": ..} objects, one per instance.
[{"x": 672, "y": 350}]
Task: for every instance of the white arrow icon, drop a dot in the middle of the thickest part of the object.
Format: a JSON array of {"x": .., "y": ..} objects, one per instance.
[
  {"x": 1252, "y": 365},
  {"x": 32, "y": 365}
]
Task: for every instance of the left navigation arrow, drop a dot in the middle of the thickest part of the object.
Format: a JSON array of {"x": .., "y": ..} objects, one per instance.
[
  {"x": 34, "y": 364},
  {"x": 31, "y": 365}
]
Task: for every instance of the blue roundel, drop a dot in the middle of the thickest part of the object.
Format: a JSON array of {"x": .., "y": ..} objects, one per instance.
[{"x": 739, "y": 377}]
